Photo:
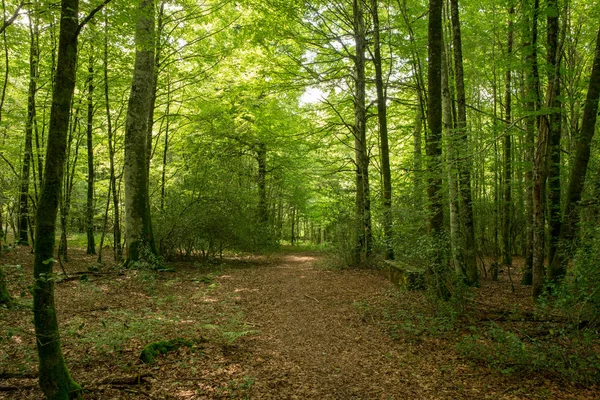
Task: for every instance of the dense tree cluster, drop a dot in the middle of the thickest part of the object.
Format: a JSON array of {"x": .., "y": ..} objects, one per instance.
[{"x": 440, "y": 134}]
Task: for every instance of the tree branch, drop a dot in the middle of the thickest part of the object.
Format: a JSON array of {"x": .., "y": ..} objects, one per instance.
[
  {"x": 90, "y": 16},
  {"x": 9, "y": 21}
]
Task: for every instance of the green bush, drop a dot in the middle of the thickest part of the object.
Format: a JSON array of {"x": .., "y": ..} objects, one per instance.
[{"x": 571, "y": 359}]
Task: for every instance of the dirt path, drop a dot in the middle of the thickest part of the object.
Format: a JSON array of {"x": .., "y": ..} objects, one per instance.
[
  {"x": 313, "y": 343},
  {"x": 317, "y": 342},
  {"x": 321, "y": 334}
]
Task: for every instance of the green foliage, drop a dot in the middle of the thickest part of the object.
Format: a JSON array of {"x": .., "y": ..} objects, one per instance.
[
  {"x": 152, "y": 350},
  {"x": 579, "y": 296},
  {"x": 569, "y": 358}
]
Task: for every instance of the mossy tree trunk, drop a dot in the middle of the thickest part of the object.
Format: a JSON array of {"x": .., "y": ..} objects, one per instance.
[
  {"x": 568, "y": 230},
  {"x": 5, "y": 297},
  {"x": 507, "y": 205},
  {"x": 465, "y": 160},
  {"x": 530, "y": 21},
  {"x": 437, "y": 272},
  {"x": 55, "y": 380},
  {"x": 383, "y": 136},
  {"x": 364, "y": 239},
  {"x": 554, "y": 56},
  {"x": 140, "y": 239}
]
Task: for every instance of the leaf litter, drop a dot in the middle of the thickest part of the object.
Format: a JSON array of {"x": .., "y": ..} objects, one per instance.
[{"x": 258, "y": 327}]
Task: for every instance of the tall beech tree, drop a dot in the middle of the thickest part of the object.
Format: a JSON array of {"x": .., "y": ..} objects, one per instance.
[
  {"x": 506, "y": 212},
  {"x": 55, "y": 380},
  {"x": 28, "y": 148},
  {"x": 364, "y": 246},
  {"x": 464, "y": 164},
  {"x": 531, "y": 100},
  {"x": 383, "y": 134},
  {"x": 140, "y": 239},
  {"x": 434, "y": 146},
  {"x": 89, "y": 225},
  {"x": 553, "y": 120},
  {"x": 569, "y": 227}
]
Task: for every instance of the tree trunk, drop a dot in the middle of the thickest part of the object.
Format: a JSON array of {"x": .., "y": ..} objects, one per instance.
[
  {"x": 531, "y": 106},
  {"x": 383, "y": 136},
  {"x": 55, "y": 380},
  {"x": 464, "y": 164},
  {"x": 437, "y": 273},
  {"x": 28, "y": 151},
  {"x": 65, "y": 201},
  {"x": 118, "y": 251},
  {"x": 363, "y": 201},
  {"x": 104, "y": 225},
  {"x": 569, "y": 227},
  {"x": 263, "y": 209},
  {"x": 140, "y": 240},
  {"x": 506, "y": 214},
  {"x": 165, "y": 150},
  {"x": 554, "y": 133},
  {"x": 455, "y": 236},
  {"x": 91, "y": 246}
]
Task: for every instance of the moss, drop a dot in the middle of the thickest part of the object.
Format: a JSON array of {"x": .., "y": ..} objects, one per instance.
[
  {"x": 152, "y": 350},
  {"x": 5, "y": 298}
]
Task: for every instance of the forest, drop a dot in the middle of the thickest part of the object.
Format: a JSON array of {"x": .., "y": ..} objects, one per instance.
[{"x": 359, "y": 199}]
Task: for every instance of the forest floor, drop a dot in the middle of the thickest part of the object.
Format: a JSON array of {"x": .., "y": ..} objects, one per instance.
[{"x": 280, "y": 326}]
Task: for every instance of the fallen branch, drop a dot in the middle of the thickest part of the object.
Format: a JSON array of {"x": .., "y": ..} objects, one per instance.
[
  {"x": 17, "y": 388},
  {"x": 17, "y": 375},
  {"x": 312, "y": 298}
]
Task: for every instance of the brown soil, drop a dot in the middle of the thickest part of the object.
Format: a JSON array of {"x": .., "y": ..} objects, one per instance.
[{"x": 278, "y": 327}]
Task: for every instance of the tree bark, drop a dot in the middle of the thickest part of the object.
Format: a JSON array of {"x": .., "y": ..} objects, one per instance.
[
  {"x": 569, "y": 227},
  {"x": 91, "y": 246},
  {"x": 506, "y": 214},
  {"x": 55, "y": 380},
  {"x": 453, "y": 196},
  {"x": 140, "y": 239},
  {"x": 437, "y": 272},
  {"x": 554, "y": 134},
  {"x": 363, "y": 201},
  {"x": 531, "y": 106},
  {"x": 464, "y": 163},
  {"x": 28, "y": 150},
  {"x": 118, "y": 251},
  {"x": 263, "y": 211},
  {"x": 383, "y": 136}
]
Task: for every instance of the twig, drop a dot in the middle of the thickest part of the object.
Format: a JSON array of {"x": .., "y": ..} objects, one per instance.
[{"x": 312, "y": 298}]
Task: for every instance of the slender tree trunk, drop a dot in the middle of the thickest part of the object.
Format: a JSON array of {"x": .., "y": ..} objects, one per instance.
[
  {"x": 363, "y": 199},
  {"x": 531, "y": 105},
  {"x": 464, "y": 164},
  {"x": 417, "y": 151},
  {"x": 554, "y": 133},
  {"x": 28, "y": 151},
  {"x": 165, "y": 150},
  {"x": 263, "y": 210},
  {"x": 455, "y": 237},
  {"x": 437, "y": 273},
  {"x": 118, "y": 251},
  {"x": 91, "y": 246},
  {"x": 104, "y": 225},
  {"x": 569, "y": 227},
  {"x": 65, "y": 200},
  {"x": 506, "y": 214},
  {"x": 55, "y": 380},
  {"x": 140, "y": 240},
  {"x": 383, "y": 135}
]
